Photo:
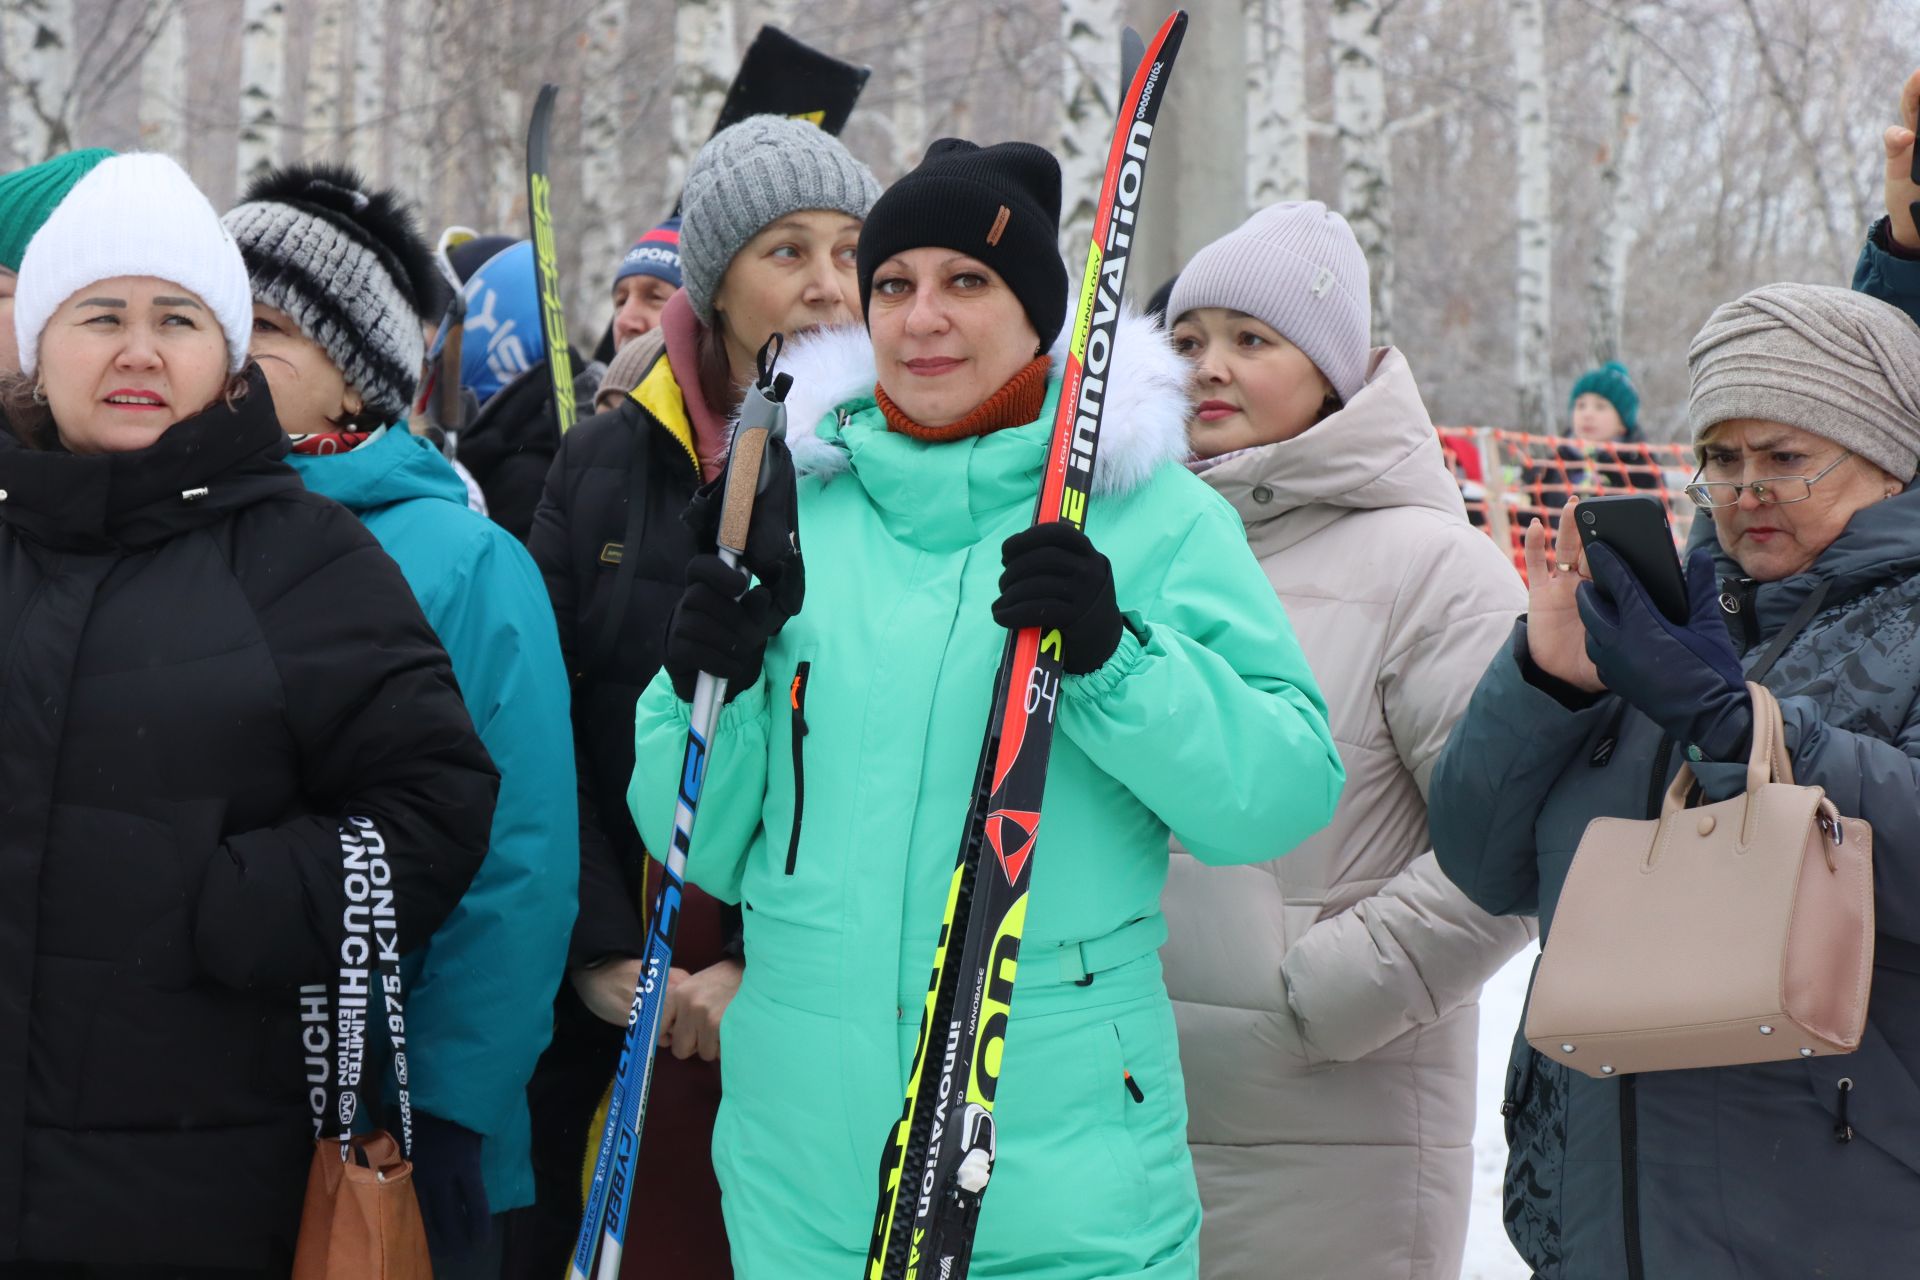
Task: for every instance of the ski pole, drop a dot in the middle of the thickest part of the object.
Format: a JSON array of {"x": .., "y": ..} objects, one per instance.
[{"x": 763, "y": 417}]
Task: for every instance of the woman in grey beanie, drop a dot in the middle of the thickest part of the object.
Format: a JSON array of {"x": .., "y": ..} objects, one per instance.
[
  {"x": 1805, "y": 407},
  {"x": 1327, "y": 1000},
  {"x": 769, "y": 224}
]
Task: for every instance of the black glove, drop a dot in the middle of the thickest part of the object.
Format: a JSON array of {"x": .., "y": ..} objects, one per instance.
[
  {"x": 446, "y": 1178},
  {"x": 718, "y": 630},
  {"x": 1056, "y": 578},
  {"x": 1687, "y": 679},
  {"x": 772, "y": 553}
]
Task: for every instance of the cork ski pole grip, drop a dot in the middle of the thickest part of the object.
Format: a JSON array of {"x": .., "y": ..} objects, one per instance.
[{"x": 743, "y": 480}]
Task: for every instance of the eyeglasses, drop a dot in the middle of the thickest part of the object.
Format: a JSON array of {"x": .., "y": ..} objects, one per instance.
[{"x": 1710, "y": 495}]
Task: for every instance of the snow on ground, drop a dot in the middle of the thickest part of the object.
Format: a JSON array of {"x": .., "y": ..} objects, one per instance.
[{"x": 1489, "y": 1256}]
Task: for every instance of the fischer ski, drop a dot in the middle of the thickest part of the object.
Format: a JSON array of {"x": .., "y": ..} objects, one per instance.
[
  {"x": 939, "y": 1157},
  {"x": 553, "y": 322},
  {"x": 609, "y": 1196}
]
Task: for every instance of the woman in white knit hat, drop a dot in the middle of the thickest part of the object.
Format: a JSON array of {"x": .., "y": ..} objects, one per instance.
[
  {"x": 1327, "y": 1000},
  {"x": 206, "y": 672}
]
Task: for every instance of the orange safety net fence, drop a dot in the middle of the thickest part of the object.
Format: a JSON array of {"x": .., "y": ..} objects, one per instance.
[{"x": 1508, "y": 479}]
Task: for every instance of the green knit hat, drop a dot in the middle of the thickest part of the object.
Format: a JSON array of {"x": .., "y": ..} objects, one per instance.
[
  {"x": 29, "y": 195},
  {"x": 1612, "y": 381}
]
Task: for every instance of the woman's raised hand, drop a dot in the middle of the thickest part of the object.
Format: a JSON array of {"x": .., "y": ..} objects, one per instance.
[{"x": 1556, "y": 638}]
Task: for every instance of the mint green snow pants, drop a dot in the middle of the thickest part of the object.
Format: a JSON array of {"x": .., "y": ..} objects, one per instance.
[{"x": 1089, "y": 1183}]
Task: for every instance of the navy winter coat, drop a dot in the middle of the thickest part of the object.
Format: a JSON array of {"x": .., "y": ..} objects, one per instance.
[{"x": 1737, "y": 1172}]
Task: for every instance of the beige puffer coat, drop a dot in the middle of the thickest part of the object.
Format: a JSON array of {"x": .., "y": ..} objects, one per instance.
[{"x": 1327, "y": 1000}]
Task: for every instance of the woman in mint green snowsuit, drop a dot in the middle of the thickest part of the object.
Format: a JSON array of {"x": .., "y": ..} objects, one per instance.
[{"x": 839, "y": 780}]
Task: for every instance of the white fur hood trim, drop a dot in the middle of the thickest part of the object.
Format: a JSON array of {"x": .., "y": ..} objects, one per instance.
[{"x": 1144, "y": 425}]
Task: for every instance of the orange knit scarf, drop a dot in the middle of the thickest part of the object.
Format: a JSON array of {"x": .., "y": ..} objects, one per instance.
[{"x": 1014, "y": 405}]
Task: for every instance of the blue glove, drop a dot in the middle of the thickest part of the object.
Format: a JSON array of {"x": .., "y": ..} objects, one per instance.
[
  {"x": 1687, "y": 679},
  {"x": 446, "y": 1177}
]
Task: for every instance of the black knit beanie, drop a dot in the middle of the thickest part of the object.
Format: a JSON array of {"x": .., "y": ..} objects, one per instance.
[{"x": 1000, "y": 204}]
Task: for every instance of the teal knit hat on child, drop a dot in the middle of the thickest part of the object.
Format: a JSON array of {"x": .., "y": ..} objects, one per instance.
[
  {"x": 1612, "y": 381},
  {"x": 28, "y": 195}
]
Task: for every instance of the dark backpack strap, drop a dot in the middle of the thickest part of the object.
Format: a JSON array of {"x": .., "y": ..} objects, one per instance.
[
  {"x": 602, "y": 655},
  {"x": 1805, "y": 614}
]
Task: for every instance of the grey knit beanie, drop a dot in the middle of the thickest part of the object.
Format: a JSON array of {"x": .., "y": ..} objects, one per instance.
[
  {"x": 1827, "y": 360},
  {"x": 753, "y": 174},
  {"x": 347, "y": 263},
  {"x": 1296, "y": 268}
]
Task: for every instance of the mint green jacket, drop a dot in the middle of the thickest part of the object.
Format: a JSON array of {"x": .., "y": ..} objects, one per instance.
[{"x": 838, "y": 784}]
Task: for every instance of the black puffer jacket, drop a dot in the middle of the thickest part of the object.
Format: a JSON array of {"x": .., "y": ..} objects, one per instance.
[
  {"x": 203, "y": 668},
  {"x": 509, "y": 442}
]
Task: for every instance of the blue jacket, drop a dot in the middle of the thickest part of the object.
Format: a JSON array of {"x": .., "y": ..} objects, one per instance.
[
  {"x": 1886, "y": 277},
  {"x": 480, "y": 994}
]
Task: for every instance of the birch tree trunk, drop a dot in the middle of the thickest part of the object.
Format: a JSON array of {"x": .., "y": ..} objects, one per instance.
[
  {"x": 704, "y": 54},
  {"x": 510, "y": 163},
  {"x": 424, "y": 32},
  {"x": 1607, "y": 282},
  {"x": 602, "y": 210},
  {"x": 263, "y": 79},
  {"x": 369, "y": 86},
  {"x": 1276, "y": 101},
  {"x": 1533, "y": 366},
  {"x": 163, "y": 82},
  {"x": 38, "y": 76},
  {"x": 1090, "y": 90},
  {"x": 326, "y": 79},
  {"x": 909, "y": 117},
  {"x": 1360, "y": 123}
]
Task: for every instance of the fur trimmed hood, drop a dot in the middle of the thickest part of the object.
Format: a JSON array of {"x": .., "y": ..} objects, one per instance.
[{"x": 1143, "y": 427}]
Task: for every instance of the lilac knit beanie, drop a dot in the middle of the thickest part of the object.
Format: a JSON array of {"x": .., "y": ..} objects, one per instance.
[{"x": 1297, "y": 268}]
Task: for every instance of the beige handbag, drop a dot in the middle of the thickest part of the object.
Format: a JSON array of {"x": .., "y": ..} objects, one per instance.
[{"x": 1734, "y": 932}]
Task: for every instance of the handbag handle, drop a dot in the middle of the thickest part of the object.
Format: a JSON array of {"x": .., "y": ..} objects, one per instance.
[{"x": 1767, "y": 759}]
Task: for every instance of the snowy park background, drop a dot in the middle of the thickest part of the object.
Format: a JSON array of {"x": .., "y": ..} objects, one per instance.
[
  {"x": 1539, "y": 184},
  {"x": 1489, "y": 1256}
]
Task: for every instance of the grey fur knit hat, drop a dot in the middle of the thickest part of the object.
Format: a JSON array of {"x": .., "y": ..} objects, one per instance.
[
  {"x": 1839, "y": 364},
  {"x": 348, "y": 264},
  {"x": 751, "y": 175}
]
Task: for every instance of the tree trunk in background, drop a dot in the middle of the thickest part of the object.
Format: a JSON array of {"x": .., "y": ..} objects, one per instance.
[
  {"x": 1533, "y": 365},
  {"x": 510, "y": 167},
  {"x": 326, "y": 80},
  {"x": 603, "y": 208},
  {"x": 1089, "y": 96},
  {"x": 263, "y": 81},
  {"x": 1360, "y": 123},
  {"x": 1607, "y": 284},
  {"x": 909, "y": 118},
  {"x": 39, "y": 77},
  {"x": 1276, "y": 101},
  {"x": 424, "y": 32},
  {"x": 163, "y": 82},
  {"x": 704, "y": 59},
  {"x": 369, "y": 87}
]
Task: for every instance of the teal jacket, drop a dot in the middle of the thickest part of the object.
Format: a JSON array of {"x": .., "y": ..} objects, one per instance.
[
  {"x": 834, "y": 798},
  {"x": 480, "y": 994},
  {"x": 1885, "y": 276}
]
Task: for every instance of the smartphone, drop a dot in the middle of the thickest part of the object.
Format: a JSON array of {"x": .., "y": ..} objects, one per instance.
[{"x": 1635, "y": 528}]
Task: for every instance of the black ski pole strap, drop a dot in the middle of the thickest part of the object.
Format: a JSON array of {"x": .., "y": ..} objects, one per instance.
[{"x": 367, "y": 985}]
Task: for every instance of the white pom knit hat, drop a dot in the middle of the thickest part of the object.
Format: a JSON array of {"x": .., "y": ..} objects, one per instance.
[{"x": 134, "y": 215}]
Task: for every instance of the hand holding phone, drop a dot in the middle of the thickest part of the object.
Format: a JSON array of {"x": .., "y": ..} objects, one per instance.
[{"x": 1635, "y": 528}]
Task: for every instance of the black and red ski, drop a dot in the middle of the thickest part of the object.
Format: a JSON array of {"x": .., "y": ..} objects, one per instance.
[{"x": 939, "y": 1158}]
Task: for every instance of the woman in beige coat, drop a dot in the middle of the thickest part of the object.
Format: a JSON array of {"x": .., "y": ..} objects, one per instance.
[{"x": 1327, "y": 1000}]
